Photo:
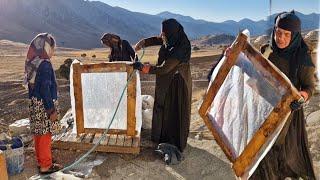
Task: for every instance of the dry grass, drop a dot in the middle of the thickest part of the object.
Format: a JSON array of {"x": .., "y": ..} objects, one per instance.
[{"x": 14, "y": 100}]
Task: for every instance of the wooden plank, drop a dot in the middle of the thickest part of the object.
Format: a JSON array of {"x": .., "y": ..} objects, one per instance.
[
  {"x": 112, "y": 140},
  {"x": 236, "y": 48},
  {"x": 128, "y": 141},
  {"x": 103, "y": 141},
  {"x": 79, "y": 138},
  {"x": 220, "y": 141},
  {"x": 104, "y": 67},
  {"x": 78, "y": 97},
  {"x": 110, "y": 131},
  {"x": 136, "y": 142},
  {"x": 96, "y": 138},
  {"x": 100, "y": 148},
  {"x": 260, "y": 137},
  {"x": 106, "y": 140},
  {"x": 88, "y": 139},
  {"x": 3, "y": 167},
  {"x": 131, "y": 103},
  {"x": 120, "y": 140}
]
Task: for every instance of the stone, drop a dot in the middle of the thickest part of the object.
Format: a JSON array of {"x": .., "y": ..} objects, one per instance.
[
  {"x": 26, "y": 138},
  {"x": 4, "y": 136},
  {"x": 147, "y": 102},
  {"x": 313, "y": 118},
  {"x": 147, "y": 118},
  {"x": 19, "y": 127},
  {"x": 61, "y": 176},
  {"x": 261, "y": 40},
  {"x": 67, "y": 121}
]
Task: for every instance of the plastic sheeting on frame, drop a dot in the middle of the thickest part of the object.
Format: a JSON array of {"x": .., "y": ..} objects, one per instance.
[
  {"x": 243, "y": 102},
  {"x": 101, "y": 93}
]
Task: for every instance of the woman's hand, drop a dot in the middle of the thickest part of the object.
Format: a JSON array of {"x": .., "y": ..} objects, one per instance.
[
  {"x": 298, "y": 104},
  {"x": 144, "y": 68},
  {"x": 54, "y": 116},
  {"x": 139, "y": 45},
  {"x": 304, "y": 95},
  {"x": 137, "y": 65},
  {"x": 227, "y": 52}
]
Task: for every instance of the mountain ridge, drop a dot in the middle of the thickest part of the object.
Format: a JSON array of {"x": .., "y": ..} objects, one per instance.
[{"x": 80, "y": 24}]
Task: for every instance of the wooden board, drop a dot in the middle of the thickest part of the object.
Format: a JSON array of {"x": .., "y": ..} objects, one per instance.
[
  {"x": 131, "y": 105},
  {"x": 78, "y": 97},
  {"x": 257, "y": 141},
  {"x": 3, "y": 167},
  {"x": 236, "y": 47},
  {"x": 110, "y": 131},
  {"x": 112, "y": 140},
  {"x": 127, "y": 141},
  {"x": 242, "y": 163},
  {"x": 112, "y": 143},
  {"x": 78, "y": 69}
]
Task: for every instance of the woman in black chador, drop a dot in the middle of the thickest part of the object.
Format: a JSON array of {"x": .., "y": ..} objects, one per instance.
[
  {"x": 121, "y": 50},
  {"x": 290, "y": 156},
  {"x": 172, "y": 106}
]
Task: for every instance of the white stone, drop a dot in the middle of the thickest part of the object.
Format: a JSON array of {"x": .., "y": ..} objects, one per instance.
[
  {"x": 26, "y": 138},
  {"x": 147, "y": 102},
  {"x": 4, "y": 136},
  {"x": 314, "y": 118},
  {"x": 261, "y": 40},
  {"x": 67, "y": 119},
  {"x": 62, "y": 176},
  {"x": 19, "y": 127},
  {"x": 147, "y": 118}
]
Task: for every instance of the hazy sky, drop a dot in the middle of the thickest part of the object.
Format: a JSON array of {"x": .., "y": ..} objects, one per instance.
[{"x": 218, "y": 10}]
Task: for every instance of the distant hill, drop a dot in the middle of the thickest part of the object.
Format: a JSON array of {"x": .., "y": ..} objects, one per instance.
[
  {"x": 80, "y": 24},
  {"x": 214, "y": 40}
]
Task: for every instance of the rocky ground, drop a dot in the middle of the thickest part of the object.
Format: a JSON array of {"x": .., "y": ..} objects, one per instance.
[{"x": 203, "y": 157}]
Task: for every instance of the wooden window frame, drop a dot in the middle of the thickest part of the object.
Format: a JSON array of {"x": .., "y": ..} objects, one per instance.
[
  {"x": 251, "y": 152},
  {"x": 78, "y": 69}
]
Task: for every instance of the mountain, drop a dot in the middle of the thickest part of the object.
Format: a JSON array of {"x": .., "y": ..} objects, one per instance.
[
  {"x": 188, "y": 19},
  {"x": 210, "y": 40},
  {"x": 74, "y": 23},
  {"x": 80, "y": 23}
]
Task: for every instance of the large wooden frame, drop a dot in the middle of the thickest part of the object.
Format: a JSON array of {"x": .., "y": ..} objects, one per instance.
[
  {"x": 244, "y": 161},
  {"x": 78, "y": 69}
]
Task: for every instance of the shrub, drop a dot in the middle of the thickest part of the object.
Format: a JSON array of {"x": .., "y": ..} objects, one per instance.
[{"x": 195, "y": 48}]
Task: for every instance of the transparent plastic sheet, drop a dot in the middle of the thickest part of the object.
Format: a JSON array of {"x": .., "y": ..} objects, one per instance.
[
  {"x": 243, "y": 102},
  {"x": 101, "y": 93}
]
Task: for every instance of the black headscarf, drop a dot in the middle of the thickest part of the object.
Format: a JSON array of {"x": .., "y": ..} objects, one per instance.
[
  {"x": 297, "y": 51},
  {"x": 177, "y": 45},
  {"x": 121, "y": 50}
]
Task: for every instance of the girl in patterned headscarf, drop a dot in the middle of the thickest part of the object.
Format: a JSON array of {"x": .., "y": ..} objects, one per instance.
[{"x": 41, "y": 83}]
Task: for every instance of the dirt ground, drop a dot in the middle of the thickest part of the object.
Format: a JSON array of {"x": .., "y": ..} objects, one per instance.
[{"x": 203, "y": 157}]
